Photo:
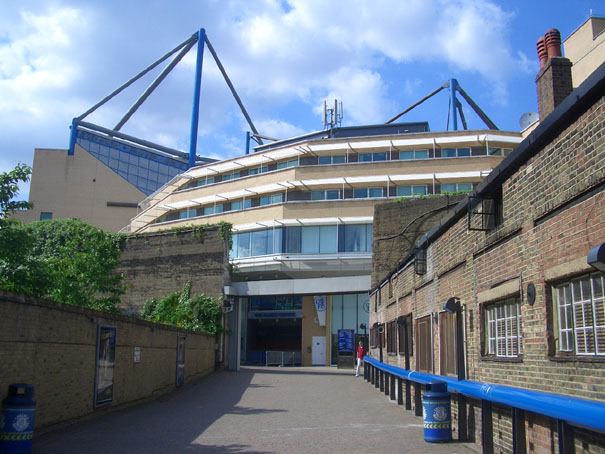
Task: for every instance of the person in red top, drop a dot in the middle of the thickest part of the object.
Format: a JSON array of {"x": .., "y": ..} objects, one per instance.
[{"x": 361, "y": 352}]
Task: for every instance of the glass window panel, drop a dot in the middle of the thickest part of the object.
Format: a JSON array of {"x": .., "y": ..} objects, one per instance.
[
  {"x": 208, "y": 210},
  {"x": 467, "y": 187},
  {"x": 318, "y": 195},
  {"x": 464, "y": 152},
  {"x": 369, "y": 228},
  {"x": 233, "y": 250},
  {"x": 183, "y": 214},
  {"x": 282, "y": 165},
  {"x": 310, "y": 240},
  {"x": 349, "y": 312},
  {"x": 265, "y": 200},
  {"x": 421, "y": 154},
  {"x": 277, "y": 240},
  {"x": 365, "y": 157},
  {"x": 226, "y": 177},
  {"x": 259, "y": 243},
  {"x": 360, "y": 193},
  {"x": 339, "y": 159},
  {"x": 293, "y": 239},
  {"x": 380, "y": 156},
  {"x": 328, "y": 240},
  {"x": 325, "y": 160},
  {"x": 336, "y": 315},
  {"x": 237, "y": 205},
  {"x": 448, "y": 187},
  {"x": 355, "y": 238},
  {"x": 448, "y": 153},
  {"x": 406, "y": 155},
  {"x": 277, "y": 198},
  {"x": 243, "y": 245},
  {"x": 247, "y": 203},
  {"x": 404, "y": 191},
  {"x": 218, "y": 208},
  {"x": 375, "y": 192},
  {"x": 332, "y": 194},
  {"x": 419, "y": 190}
]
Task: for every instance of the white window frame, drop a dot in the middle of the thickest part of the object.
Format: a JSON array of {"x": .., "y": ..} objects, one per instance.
[
  {"x": 503, "y": 329},
  {"x": 583, "y": 299}
]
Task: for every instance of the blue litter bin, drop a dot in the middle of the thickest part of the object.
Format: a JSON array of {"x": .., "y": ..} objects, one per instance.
[
  {"x": 437, "y": 413},
  {"x": 17, "y": 419}
]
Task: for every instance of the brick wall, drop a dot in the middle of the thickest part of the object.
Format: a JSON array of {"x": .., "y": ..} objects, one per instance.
[
  {"x": 158, "y": 264},
  {"x": 391, "y": 218},
  {"x": 553, "y": 214},
  {"x": 53, "y": 347}
]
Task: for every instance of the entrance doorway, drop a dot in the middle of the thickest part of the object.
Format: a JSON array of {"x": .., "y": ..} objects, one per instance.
[{"x": 318, "y": 351}]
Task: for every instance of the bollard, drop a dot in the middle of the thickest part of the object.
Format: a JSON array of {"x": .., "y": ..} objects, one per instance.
[
  {"x": 437, "y": 413},
  {"x": 17, "y": 420}
]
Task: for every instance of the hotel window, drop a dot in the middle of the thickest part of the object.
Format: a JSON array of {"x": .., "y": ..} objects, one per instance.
[
  {"x": 287, "y": 164},
  {"x": 497, "y": 151},
  {"x": 271, "y": 199},
  {"x": 502, "y": 324},
  {"x": 580, "y": 309},
  {"x": 456, "y": 187},
  {"x": 258, "y": 170},
  {"x": 360, "y": 193},
  {"x": 411, "y": 191},
  {"x": 455, "y": 152},
  {"x": 413, "y": 154},
  {"x": 328, "y": 194},
  {"x": 369, "y": 157}
]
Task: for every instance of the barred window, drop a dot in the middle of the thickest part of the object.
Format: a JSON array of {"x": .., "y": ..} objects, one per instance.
[
  {"x": 503, "y": 329},
  {"x": 581, "y": 315}
]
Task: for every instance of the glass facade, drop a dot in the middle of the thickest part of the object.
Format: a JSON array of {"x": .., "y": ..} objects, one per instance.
[
  {"x": 323, "y": 239},
  {"x": 348, "y": 312},
  {"x": 143, "y": 169}
]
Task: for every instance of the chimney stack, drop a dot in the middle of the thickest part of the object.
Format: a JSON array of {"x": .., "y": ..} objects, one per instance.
[{"x": 553, "y": 82}]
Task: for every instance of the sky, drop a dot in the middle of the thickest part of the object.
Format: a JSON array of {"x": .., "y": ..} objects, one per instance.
[{"x": 285, "y": 58}]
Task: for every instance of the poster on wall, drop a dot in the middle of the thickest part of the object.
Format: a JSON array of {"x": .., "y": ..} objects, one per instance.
[
  {"x": 320, "y": 306},
  {"x": 105, "y": 364}
]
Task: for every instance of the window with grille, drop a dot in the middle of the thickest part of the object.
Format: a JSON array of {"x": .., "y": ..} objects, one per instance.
[
  {"x": 424, "y": 345},
  {"x": 392, "y": 337},
  {"x": 581, "y": 315},
  {"x": 503, "y": 329}
]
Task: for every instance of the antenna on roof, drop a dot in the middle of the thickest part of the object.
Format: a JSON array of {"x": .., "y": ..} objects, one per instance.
[{"x": 333, "y": 117}]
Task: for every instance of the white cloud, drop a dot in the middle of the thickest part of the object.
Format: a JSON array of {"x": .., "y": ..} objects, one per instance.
[{"x": 278, "y": 129}]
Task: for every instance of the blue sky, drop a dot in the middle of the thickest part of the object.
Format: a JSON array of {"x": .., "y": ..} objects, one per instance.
[{"x": 59, "y": 57}]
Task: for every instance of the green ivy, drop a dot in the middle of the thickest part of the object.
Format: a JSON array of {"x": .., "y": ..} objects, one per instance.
[{"x": 197, "y": 313}]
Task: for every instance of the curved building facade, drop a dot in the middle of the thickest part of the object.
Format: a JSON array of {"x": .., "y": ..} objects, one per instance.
[{"x": 302, "y": 212}]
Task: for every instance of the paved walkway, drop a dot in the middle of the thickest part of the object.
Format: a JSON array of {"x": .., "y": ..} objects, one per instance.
[{"x": 261, "y": 410}]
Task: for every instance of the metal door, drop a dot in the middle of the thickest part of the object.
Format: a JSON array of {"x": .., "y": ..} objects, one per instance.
[{"x": 318, "y": 351}]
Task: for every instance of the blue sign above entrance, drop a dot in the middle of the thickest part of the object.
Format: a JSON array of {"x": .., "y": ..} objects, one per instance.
[{"x": 346, "y": 340}]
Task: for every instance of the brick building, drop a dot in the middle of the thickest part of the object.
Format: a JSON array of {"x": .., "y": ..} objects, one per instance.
[{"x": 513, "y": 254}]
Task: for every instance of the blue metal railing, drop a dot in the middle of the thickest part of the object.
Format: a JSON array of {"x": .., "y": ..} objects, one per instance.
[{"x": 589, "y": 414}]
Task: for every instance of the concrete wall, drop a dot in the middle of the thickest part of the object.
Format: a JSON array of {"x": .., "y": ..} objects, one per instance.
[
  {"x": 158, "y": 264},
  {"x": 53, "y": 347},
  {"x": 79, "y": 186}
]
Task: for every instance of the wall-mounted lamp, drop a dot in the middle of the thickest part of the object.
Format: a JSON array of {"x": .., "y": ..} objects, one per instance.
[
  {"x": 596, "y": 257},
  {"x": 420, "y": 261},
  {"x": 452, "y": 305}
]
